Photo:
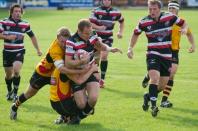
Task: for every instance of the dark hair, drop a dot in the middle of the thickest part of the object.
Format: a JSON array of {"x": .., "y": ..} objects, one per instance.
[
  {"x": 83, "y": 23},
  {"x": 173, "y": 1},
  {"x": 155, "y": 2},
  {"x": 15, "y": 6}
]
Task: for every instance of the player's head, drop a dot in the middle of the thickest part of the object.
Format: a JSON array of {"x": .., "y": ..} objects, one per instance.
[
  {"x": 84, "y": 28},
  {"x": 63, "y": 34},
  {"x": 16, "y": 11},
  {"x": 173, "y": 7},
  {"x": 154, "y": 7},
  {"x": 106, "y": 3}
]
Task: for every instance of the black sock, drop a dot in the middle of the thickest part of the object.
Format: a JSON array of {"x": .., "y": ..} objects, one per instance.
[
  {"x": 167, "y": 90},
  {"x": 147, "y": 76},
  {"x": 21, "y": 99},
  {"x": 103, "y": 68},
  {"x": 153, "y": 93},
  {"x": 9, "y": 84},
  {"x": 16, "y": 82},
  {"x": 147, "y": 97},
  {"x": 85, "y": 112}
]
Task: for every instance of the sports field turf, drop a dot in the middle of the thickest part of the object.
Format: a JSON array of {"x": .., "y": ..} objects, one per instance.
[{"x": 119, "y": 104}]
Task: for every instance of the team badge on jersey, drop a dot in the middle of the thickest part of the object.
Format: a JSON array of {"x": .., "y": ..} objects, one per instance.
[
  {"x": 7, "y": 27},
  {"x": 148, "y": 27},
  {"x": 23, "y": 29},
  {"x": 100, "y": 16},
  {"x": 167, "y": 23}
]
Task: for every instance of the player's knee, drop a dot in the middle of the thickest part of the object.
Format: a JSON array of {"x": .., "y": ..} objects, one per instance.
[
  {"x": 81, "y": 104},
  {"x": 154, "y": 80},
  {"x": 16, "y": 74},
  {"x": 93, "y": 99}
]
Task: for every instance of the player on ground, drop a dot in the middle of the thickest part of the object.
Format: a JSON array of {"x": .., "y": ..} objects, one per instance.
[
  {"x": 103, "y": 19},
  {"x": 42, "y": 75},
  {"x": 61, "y": 96},
  {"x": 12, "y": 30},
  {"x": 157, "y": 27}
]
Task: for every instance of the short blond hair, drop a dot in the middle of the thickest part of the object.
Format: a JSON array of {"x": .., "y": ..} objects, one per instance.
[
  {"x": 64, "y": 31},
  {"x": 155, "y": 2}
]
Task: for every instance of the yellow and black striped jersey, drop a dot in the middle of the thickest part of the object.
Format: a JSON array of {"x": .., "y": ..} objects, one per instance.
[{"x": 53, "y": 58}]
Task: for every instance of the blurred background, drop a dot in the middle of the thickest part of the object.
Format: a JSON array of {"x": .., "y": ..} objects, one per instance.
[{"x": 61, "y": 4}]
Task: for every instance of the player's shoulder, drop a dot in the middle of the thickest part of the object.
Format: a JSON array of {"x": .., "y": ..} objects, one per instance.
[
  {"x": 55, "y": 47},
  {"x": 5, "y": 20},
  {"x": 97, "y": 8},
  {"x": 25, "y": 22},
  {"x": 167, "y": 14},
  {"x": 115, "y": 9},
  {"x": 145, "y": 19}
]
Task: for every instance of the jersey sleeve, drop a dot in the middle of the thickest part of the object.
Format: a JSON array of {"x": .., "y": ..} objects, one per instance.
[
  {"x": 178, "y": 21},
  {"x": 93, "y": 18},
  {"x": 138, "y": 30},
  {"x": 70, "y": 48},
  {"x": 1, "y": 26},
  {"x": 120, "y": 18},
  {"x": 56, "y": 54},
  {"x": 94, "y": 38},
  {"x": 29, "y": 31}
]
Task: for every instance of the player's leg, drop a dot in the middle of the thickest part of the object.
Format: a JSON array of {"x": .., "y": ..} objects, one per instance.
[
  {"x": 36, "y": 83},
  {"x": 17, "y": 65},
  {"x": 103, "y": 66},
  {"x": 145, "y": 81},
  {"x": 66, "y": 109},
  {"x": 166, "y": 92},
  {"x": 9, "y": 80},
  {"x": 153, "y": 67},
  {"x": 8, "y": 68}
]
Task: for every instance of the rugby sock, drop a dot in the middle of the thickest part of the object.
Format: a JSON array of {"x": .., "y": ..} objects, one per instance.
[
  {"x": 21, "y": 99},
  {"x": 16, "y": 81},
  {"x": 85, "y": 112},
  {"x": 167, "y": 90},
  {"x": 147, "y": 76},
  {"x": 103, "y": 68},
  {"x": 9, "y": 84},
  {"x": 147, "y": 97},
  {"x": 153, "y": 93}
]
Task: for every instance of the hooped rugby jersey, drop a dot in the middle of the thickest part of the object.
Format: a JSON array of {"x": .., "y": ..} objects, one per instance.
[
  {"x": 76, "y": 42},
  {"x": 159, "y": 33},
  {"x": 10, "y": 27},
  {"x": 103, "y": 16}
]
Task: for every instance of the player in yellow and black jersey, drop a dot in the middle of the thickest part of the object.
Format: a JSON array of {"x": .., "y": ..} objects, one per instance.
[
  {"x": 173, "y": 7},
  {"x": 42, "y": 75}
]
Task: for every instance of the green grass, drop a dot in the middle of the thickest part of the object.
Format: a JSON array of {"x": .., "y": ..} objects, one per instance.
[{"x": 119, "y": 104}]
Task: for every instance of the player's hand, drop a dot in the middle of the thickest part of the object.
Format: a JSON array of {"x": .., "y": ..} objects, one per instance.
[
  {"x": 39, "y": 53},
  {"x": 11, "y": 37},
  {"x": 184, "y": 31},
  {"x": 114, "y": 50},
  {"x": 85, "y": 58},
  {"x": 191, "y": 49},
  {"x": 119, "y": 35},
  {"x": 102, "y": 27},
  {"x": 94, "y": 67},
  {"x": 130, "y": 53}
]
